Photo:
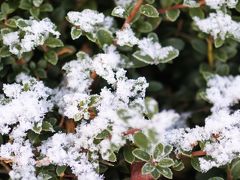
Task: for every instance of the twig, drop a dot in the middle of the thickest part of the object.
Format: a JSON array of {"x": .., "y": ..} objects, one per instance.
[
  {"x": 199, "y": 153},
  {"x": 65, "y": 50},
  {"x": 210, "y": 51},
  {"x": 179, "y": 6},
  {"x": 131, "y": 131},
  {"x": 133, "y": 13},
  {"x": 229, "y": 173}
]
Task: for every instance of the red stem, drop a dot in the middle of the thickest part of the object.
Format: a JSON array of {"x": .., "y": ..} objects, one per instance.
[
  {"x": 199, "y": 153},
  {"x": 133, "y": 13},
  {"x": 131, "y": 131}
]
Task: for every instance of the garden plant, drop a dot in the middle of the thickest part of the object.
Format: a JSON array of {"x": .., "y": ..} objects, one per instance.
[{"x": 119, "y": 89}]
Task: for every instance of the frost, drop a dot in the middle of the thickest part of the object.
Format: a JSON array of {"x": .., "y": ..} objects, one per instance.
[
  {"x": 126, "y": 37},
  {"x": 105, "y": 64},
  {"x": 219, "y": 25},
  {"x": 123, "y": 3},
  {"x": 217, "y": 4},
  {"x": 154, "y": 49},
  {"x": 35, "y": 34}
]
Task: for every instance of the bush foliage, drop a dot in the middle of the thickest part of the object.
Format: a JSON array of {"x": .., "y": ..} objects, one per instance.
[{"x": 119, "y": 89}]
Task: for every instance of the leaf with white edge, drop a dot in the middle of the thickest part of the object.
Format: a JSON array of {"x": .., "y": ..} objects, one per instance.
[
  {"x": 235, "y": 169},
  {"x": 53, "y": 42},
  {"x": 149, "y": 11},
  {"x": 47, "y": 126},
  {"x": 25, "y": 4},
  {"x": 4, "y": 52},
  {"x": 128, "y": 155},
  {"x": 35, "y": 12},
  {"x": 216, "y": 178},
  {"x": 155, "y": 173},
  {"x": 46, "y": 7},
  {"x": 140, "y": 154},
  {"x": 166, "y": 162},
  {"x": 118, "y": 11},
  {"x": 218, "y": 42},
  {"x": 144, "y": 58},
  {"x": 167, "y": 150},
  {"x": 37, "y": 3},
  {"x": 60, "y": 170},
  {"x": 51, "y": 57},
  {"x": 158, "y": 151},
  {"x": 196, "y": 164},
  {"x": 41, "y": 73},
  {"x": 112, "y": 157},
  {"x": 178, "y": 166},
  {"x": 104, "y": 36},
  {"x": 151, "y": 107},
  {"x": 166, "y": 172},
  {"x": 75, "y": 33},
  {"x": 37, "y": 129},
  {"x": 21, "y": 23},
  {"x": 140, "y": 140},
  {"x": 172, "y": 54},
  {"x": 172, "y": 15},
  {"x": 147, "y": 168}
]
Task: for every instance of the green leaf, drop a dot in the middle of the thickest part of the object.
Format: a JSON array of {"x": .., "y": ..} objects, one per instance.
[
  {"x": 154, "y": 87},
  {"x": 21, "y": 23},
  {"x": 143, "y": 58},
  {"x": 104, "y": 134},
  {"x": 216, "y": 178},
  {"x": 37, "y": 128},
  {"x": 75, "y": 33},
  {"x": 53, "y": 42},
  {"x": 35, "y": 12},
  {"x": 51, "y": 57},
  {"x": 167, "y": 150},
  {"x": 46, "y": 7},
  {"x": 60, "y": 170},
  {"x": 41, "y": 73},
  {"x": 166, "y": 162},
  {"x": 150, "y": 1},
  {"x": 128, "y": 155},
  {"x": 25, "y": 4},
  {"x": 104, "y": 37},
  {"x": 218, "y": 42},
  {"x": 195, "y": 164},
  {"x": 151, "y": 107},
  {"x": 149, "y": 11},
  {"x": 155, "y": 173},
  {"x": 147, "y": 168},
  {"x": 158, "y": 151},
  {"x": 153, "y": 36},
  {"x": 37, "y": 3},
  {"x": 171, "y": 55},
  {"x": 112, "y": 157},
  {"x": 11, "y": 23},
  {"x": 166, "y": 3},
  {"x": 196, "y": 12},
  {"x": 172, "y": 15},
  {"x": 199, "y": 46},
  {"x": 140, "y": 154},
  {"x": 166, "y": 172},
  {"x": 238, "y": 6},
  {"x": 5, "y": 8},
  {"x": 4, "y": 52},
  {"x": 118, "y": 11},
  {"x": 47, "y": 126},
  {"x": 175, "y": 42},
  {"x": 178, "y": 166},
  {"x": 140, "y": 140},
  {"x": 235, "y": 169},
  {"x": 144, "y": 27}
]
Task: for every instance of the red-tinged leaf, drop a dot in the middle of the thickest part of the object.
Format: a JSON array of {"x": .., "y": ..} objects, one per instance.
[{"x": 136, "y": 172}]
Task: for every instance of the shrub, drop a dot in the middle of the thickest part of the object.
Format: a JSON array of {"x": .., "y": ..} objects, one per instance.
[{"x": 119, "y": 89}]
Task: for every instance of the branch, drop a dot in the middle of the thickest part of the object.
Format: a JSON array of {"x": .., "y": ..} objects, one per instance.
[
  {"x": 210, "y": 51},
  {"x": 131, "y": 131},
  {"x": 179, "y": 6},
  {"x": 133, "y": 13},
  {"x": 199, "y": 153}
]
